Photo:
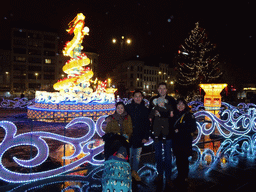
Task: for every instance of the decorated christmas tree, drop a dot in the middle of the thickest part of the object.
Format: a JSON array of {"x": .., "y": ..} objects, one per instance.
[{"x": 197, "y": 60}]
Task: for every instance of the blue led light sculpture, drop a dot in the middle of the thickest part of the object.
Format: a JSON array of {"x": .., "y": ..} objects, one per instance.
[{"x": 238, "y": 122}]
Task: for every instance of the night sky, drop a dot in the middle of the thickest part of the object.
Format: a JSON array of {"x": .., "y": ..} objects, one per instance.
[{"x": 156, "y": 28}]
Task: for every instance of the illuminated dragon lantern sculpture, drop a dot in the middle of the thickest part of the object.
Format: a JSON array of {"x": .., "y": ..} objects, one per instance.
[
  {"x": 78, "y": 76},
  {"x": 75, "y": 90}
]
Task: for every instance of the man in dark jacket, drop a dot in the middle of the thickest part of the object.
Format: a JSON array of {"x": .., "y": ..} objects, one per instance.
[
  {"x": 164, "y": 165},
  {"x": 140, "y": 122}
]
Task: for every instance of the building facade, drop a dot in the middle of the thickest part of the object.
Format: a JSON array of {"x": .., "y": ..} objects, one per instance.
[
  {"x": 4, "y": 70},
  {"x": 34, "y": 62},
  {"x": 134, "y": 74}
]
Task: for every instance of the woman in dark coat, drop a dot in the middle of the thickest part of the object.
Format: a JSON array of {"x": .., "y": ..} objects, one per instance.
[
  {"x": 118, "y": 131},
  {"x": 185, "y": 125}
]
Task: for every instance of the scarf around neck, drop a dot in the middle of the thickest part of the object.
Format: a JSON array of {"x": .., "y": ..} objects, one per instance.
[{"x": 120, "y": 118}]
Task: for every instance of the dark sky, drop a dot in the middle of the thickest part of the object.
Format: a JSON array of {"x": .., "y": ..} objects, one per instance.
[{"x": 155, "y": 27}]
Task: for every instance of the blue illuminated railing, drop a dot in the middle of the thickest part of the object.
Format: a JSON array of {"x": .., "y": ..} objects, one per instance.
[
  {"x": 16, "y": 103},
  {"x": 234, "y": 121}
]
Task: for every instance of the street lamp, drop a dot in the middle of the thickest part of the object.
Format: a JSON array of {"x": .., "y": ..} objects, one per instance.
[
  {"x": 122, "y": 41},
  {"x": 7, "y": 77},
  {"x": 128, "y": 41}
]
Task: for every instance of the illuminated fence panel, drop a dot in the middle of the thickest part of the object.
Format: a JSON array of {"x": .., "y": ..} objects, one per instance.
[
  {"x": 227, "y": 155},
  {"x": 233, "y": 121},
  {"x": 36, "y": 139},
  {"x": 16, "y": 103}
]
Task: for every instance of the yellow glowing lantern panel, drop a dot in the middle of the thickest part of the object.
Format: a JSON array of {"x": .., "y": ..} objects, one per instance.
[{"x": 212, "y": 98}]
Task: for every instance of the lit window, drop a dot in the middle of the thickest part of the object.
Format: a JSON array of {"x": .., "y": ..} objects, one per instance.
[
  {"x": 22, "y": 59},
  {"x": 47, "y": 61}
]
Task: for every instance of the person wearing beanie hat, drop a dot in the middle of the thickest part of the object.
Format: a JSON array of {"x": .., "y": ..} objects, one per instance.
[
  {"x": 120, "y": 155},
  {"x": 116, "y": 174}
]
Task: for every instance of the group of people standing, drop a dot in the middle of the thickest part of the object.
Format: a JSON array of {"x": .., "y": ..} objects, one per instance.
[{"x": 168, "y": 121}]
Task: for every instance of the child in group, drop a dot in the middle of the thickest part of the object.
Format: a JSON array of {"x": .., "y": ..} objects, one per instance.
[
  {"x": 161, "y": 113},
  {"x": 120, "y": 155},
  {"x": 117, "y": 172}
]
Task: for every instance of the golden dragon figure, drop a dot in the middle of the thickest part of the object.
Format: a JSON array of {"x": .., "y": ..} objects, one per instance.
[{"x": 75, "y": 66}]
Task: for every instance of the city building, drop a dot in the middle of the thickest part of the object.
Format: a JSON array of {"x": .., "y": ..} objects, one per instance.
[
  {"x": 4, "y": 70},
  {"x": 134, "y": 74},
  {"x": 34, "y": 62}
]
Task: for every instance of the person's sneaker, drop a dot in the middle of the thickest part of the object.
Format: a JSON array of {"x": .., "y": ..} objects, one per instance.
[{"x": 135, "y": 175}]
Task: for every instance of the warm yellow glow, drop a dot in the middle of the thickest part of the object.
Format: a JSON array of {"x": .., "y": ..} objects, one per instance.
[
  {"x": 48, "y": 61},
  {"x": 110, "y": 90},
  {"x": 223, "y": 160},
  {"x": 69, "y": 67},
  {"x": 213, "y": 89},
  {"x": 212, "y": 98},
  {"x": 77, "y": 84},
  {"x": 109, "y": 82},
  {"x": 76, "y": 27},
  {"x": 128, "y": 41},
  {"x": 74, "y": 68},
  {"x": 113, "y": 40},
  {"x": 249, "y": 88}
]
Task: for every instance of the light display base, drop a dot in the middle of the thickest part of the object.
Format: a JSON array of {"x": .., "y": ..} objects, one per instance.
[{"x": 67, "y": 112}]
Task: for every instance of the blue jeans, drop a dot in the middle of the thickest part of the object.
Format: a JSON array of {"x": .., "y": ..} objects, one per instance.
[
  {"x": 135, "y": 158},
  {"x": 164, "y": 164}
]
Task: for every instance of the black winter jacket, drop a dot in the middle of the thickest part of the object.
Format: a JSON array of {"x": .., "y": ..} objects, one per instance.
[
  {"x": 182, "y": 140},
  {"x": 172, "y": 102},
  {"x": 140, "y": 122}
]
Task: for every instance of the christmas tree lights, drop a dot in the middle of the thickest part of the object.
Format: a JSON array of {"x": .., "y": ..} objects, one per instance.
[{"x": 197, "y": 60}]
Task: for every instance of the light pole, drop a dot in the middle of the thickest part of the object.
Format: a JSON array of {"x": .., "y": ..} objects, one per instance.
[
  {"x": 122, "y": 42},
  {"x": 7, "y": 78},
  {"x": 36, "y": 74},
  {"x": 172, "y": 87}
]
